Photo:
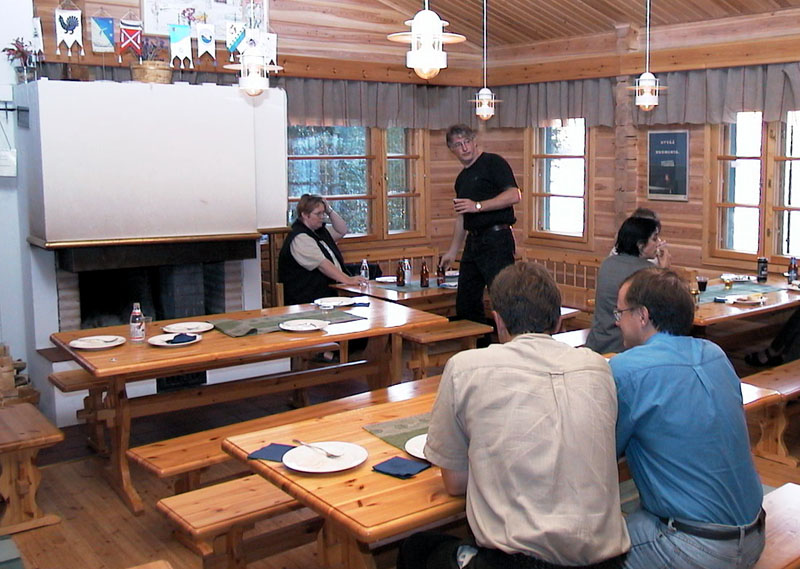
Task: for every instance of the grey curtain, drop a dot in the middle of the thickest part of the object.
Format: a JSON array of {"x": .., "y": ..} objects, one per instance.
[{"x": 714, "y": 96}]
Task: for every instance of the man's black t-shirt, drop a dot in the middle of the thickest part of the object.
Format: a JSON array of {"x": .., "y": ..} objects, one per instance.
[{"x": 488, "y": 177}]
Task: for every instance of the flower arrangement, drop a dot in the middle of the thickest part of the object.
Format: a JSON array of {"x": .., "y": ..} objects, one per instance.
[
  {"x": 19, "y": 53},
  {"x": 153, "y": 49}
]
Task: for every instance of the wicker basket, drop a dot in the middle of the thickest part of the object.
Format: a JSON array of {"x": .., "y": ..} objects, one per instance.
[{"x": 151, "y": 72}]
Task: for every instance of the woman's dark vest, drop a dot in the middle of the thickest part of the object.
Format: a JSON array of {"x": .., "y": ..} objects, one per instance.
[{"x": 299, "y": 284}]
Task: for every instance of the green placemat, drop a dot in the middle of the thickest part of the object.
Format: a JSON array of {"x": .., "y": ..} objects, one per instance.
[
  {"x": 738, "y": 288},
  {"x": 266, "y": 324},
  {"x": 413, "y": 286},
  {"x": 397, "y": 432}
]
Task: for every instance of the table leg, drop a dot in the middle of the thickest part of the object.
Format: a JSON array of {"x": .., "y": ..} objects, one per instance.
[
  {"x": 19, "y": 482},
  {"x": 379, "y": 350},
  {"x": 771, "y": 445},
  {"x": 338, "y": 550},
  {"x": 119, "y": 470}
]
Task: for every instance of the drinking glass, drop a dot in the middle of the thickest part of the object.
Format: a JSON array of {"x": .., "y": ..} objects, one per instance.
[{"x": 702, "y": 283}]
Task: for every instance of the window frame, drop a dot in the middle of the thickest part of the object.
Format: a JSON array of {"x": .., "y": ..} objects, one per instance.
[
  {"x": 377, "y": 185},
  {"x": 534, "y": 179}
]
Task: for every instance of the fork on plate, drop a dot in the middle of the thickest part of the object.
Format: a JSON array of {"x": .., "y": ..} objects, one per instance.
[{"x": 317, "y": 448}]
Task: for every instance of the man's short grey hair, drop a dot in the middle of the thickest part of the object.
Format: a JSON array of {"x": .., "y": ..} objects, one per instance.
[{"x": 459, "y": 130}]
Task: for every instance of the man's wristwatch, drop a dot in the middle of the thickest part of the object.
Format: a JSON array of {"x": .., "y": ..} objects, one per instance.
[{"x": 478, "y": 206}]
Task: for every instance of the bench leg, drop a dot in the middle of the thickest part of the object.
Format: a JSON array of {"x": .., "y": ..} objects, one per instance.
[
  {"x": 338, "y": 550},
  {"x": 92, "y": 404},
  {"x": 771, "y": 445},
  {"x": 19, "y": 482}
]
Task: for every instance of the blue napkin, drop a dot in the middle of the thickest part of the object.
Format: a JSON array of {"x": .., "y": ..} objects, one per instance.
[
  {"x": 273, "y": 452},
  {"x": 401, "y": 467},
  {"x": 360, "y": 304},
  {"x": 181, "y": 338}
]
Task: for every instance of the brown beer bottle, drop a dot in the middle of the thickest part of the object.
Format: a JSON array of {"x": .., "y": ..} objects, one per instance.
[
  {"x": 401, "y": 274},
  {"x": 439, "y": 273},
  {"x": 424, "y": 277}
]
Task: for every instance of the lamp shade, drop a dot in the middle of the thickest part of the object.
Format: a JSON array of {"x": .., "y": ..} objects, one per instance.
[
  {"x": 484, "y": 104},
  {"x": 426, "y": 56},
  {"x": 646, "y": 91}
]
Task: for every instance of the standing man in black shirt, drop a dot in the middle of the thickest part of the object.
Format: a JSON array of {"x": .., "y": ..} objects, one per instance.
[{"x": 486, "y": 192}]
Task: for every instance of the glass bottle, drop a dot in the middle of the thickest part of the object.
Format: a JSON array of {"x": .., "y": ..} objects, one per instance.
[
  {"x": 762, "y": 270},
  {"x": 401, "y": 274},
  {"x": 407, "y": 269},
  {"x": 424, "y": 276},
  {"x": 364, "y": 270},
  {"x": 137, "y": 323},
  {"x": 792, "y": 273},
  {"x": 440, "y": 276}
]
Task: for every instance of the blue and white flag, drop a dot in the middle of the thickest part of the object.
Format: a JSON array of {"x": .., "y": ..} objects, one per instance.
[
  {"x": 180, "y": 44},
  {"x": 102, "y": 35},
  {"x": 206, "y": 41},
  {"x": 69, "y": 30},
  {"x": 234, "y": 35}
]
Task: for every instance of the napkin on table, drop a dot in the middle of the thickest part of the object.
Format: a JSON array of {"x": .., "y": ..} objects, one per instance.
[
  {"x": 273, "y": 452},
  {"x": 181, "y": 338},
  {"x": 401, "y": 467}
]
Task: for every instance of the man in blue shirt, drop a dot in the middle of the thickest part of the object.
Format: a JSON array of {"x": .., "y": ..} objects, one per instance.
[{"x": 682, "y": 428}]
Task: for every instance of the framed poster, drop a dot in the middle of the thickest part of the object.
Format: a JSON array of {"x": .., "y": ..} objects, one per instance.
[
  {"x": 668, "y": 165},
  {"x": 158, "y": 14}
]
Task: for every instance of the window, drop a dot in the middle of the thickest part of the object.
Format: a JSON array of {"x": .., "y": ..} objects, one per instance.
[
  {"x": 372, "y": 177},
  {"x": 738, "y": 206},
  {"x": 559, "y": 204},
  {"x": 787, "y": 210}
]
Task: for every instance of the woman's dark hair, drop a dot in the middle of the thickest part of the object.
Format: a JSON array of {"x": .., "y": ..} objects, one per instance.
[
  {"x": 666, "y": 297},
  {"x": 633, "y": 232},
  {"x": 307, "y": 204},
  {"x": 526, "y": 298}
]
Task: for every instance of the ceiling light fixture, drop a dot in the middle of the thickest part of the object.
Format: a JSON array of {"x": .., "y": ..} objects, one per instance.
[
  {"x": 646, "y": 87},
  {"x": 485, "y": 100},
  {"x": 426, "y": 56},
  {"x": 259, "y": 50}
]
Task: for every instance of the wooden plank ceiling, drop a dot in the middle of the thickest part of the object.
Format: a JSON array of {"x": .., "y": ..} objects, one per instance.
[{"x": 529, "y": 40}]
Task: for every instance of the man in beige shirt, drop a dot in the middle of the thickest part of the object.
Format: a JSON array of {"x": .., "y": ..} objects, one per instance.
[{"x": 526, "y": 429}]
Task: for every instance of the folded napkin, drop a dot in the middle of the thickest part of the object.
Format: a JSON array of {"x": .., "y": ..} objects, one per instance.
[
  {"x": 360, "y": 304},
  {"x": 181, "y": 338},
  {"x": 401, "y": 467},
  {"x": 273, "y": 452}
]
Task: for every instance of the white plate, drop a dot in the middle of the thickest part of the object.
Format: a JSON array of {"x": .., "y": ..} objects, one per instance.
[
  {"x": 304, "y": 459},
  {"x": 415, "y": 446},
  {"x": 386, "y": 280},
  {"x": 162, "y": 341},
  {"x": 97, "y": 342},
  {"x": 747, "y": 300},
  {"x": 449, "y": 285},
  {"x": 334, "y": 301},
  {"x": 451, "y": 273},
  {"x": 188, "y": 327},
  {"x": 303, "y": 325},
  {"x": 793, "y": 287},
  {"x": 737, "y": 278}
]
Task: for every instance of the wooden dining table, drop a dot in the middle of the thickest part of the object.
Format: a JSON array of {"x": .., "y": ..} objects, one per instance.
[
  {"x": 362, "y": 509},
  {"x": 710, "y": 313},
  {"x": 381, "y": 323}
]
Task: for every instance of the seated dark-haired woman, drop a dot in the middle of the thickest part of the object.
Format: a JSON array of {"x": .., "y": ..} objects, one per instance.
[
  {"x": 638, "y": 241},
  {"x": 310, "y": 260}
]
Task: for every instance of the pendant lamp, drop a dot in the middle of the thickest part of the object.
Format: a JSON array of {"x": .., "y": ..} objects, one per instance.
[
  {"x": 485, "y": 100},
  {"x": 259, "y": 53},
  {"x": 426, "y": 56},
  {"x": 647, "y": 86}
]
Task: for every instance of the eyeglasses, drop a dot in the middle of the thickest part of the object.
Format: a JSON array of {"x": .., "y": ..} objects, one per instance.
[
  {"x": 318, "y": 213},
  {"x": 618, "y": 312},
  {"x": 461, "y": 143}
]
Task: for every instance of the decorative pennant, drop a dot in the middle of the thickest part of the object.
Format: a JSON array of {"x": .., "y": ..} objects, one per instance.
[
  {"x": 69, "y": 30},
  {"x": 180, "y": 44},
  {"x": 206, "y": 41},
  {"x": 102, "y": 34},
  {"x": 234, "y": 35},
  {"x": 130, "y": 37},
  {"x": 37, "y": 43}
]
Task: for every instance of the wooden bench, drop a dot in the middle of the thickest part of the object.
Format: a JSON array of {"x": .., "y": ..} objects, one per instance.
[
  {"x": 782, "y": 549},
  {"x": 785, "y": 379},
  {"x": 185, "y": 458},
  {"x": 212, "y": 521},
  {"x": 574, "y": 338},
  {"x": 23, "y": 432},
  {"x": 465, "y": 331}
]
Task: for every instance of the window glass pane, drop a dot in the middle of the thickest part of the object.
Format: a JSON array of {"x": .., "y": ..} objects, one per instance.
[
  {"x": 561, "y": 215},
  {"x": 745, "y": 135},
  {"x": 565, "y": 176},
  {"x": 739, "y": 228},
  {"x": 789, "y": 233},
  {"x": 791, "y": 183},
  {"x": 327, "y": 177},
  {"x": 792, "y": 134},
  {"x": 400, "y": 215},
  {"x": 396, "y": 141},
  {"x": 398, "y": 182},
  {"x": 327, "y": 140},
  {"x": 570, "y": 138},
  {"x": 743, "y": 181}
]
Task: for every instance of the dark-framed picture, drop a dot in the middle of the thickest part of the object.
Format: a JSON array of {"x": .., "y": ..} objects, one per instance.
[{"x": 668, "y": 165}]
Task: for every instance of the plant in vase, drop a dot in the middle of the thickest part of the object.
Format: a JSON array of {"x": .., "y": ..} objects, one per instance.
[
  {"x": 21, "y": 57},
  {"x": 152, "y": 68}
]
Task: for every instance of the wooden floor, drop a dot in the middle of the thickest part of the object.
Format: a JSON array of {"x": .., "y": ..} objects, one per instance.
[{"x": 98, "y": 532}]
